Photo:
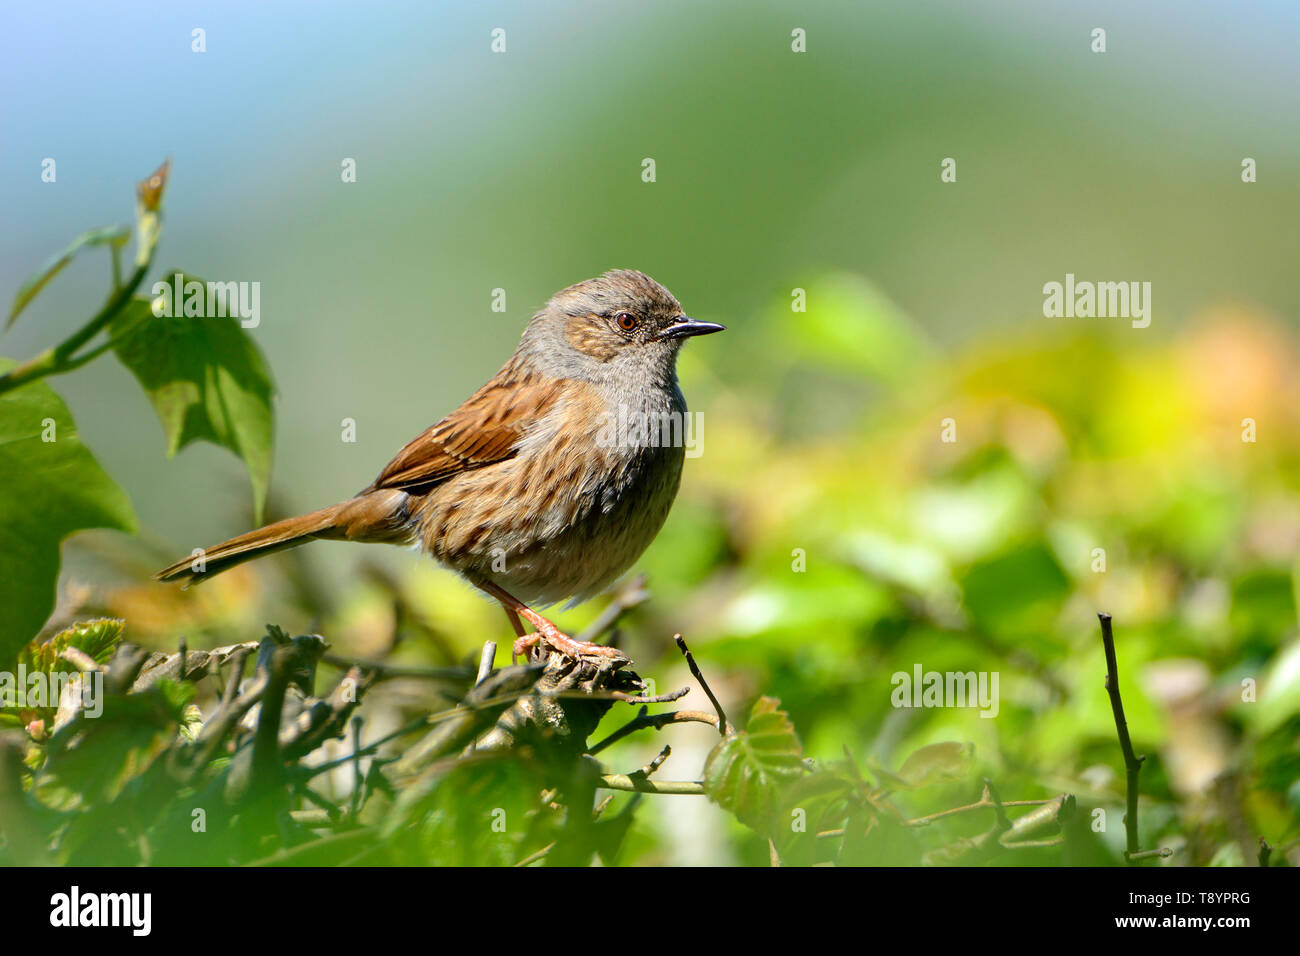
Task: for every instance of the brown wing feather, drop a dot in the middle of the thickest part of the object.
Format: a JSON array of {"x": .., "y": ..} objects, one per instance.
[{"x": 486, "y": 428}]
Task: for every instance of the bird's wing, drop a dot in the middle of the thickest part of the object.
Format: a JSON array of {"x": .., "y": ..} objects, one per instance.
[{"x": 485, "y": 429}]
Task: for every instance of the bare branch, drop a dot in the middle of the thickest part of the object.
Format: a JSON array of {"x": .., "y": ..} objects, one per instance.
[
  {"x": 642, "y": 698},
  {"x": 485, "y": 661},
  {"x": 645, "y": 772},
  {"x": 1163, "y": 851},
  {"x": 622, "y": 781},
  {"x": 708, "y": 691},
  {"x": 1132, "y": 762},
  {"x": 534, "y": 857},
  {"x": 656, "y": 721}
]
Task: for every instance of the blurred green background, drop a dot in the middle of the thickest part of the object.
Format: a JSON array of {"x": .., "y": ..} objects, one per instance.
[{"x": 775, "y": 171}]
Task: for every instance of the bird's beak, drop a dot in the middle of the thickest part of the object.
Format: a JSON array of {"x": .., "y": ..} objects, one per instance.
[{"x": 686, "y": 327}]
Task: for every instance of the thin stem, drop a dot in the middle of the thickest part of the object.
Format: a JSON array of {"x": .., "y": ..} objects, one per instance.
[
  {"x": 62, "y": 357},
  {"x": 358, "y": 778},
  {"x": 622, "y": 781},
  {"x": 657, "y": 721},
  {"x": 534, "y": 857},
  {"x": 486, "y": 659},
  {"x": 368, "y": 750},
  {"x": 80, "y": 360},
  {"x": 645, "y": 772},
  {"x": 1132, "y": 762},
  {"x": 1151, "y": 854},
  {"x": 985, "y": 800},
  {"x": 708, "y": 691}
]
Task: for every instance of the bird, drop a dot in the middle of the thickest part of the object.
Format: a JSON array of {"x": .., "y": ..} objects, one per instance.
[{"x": 548, "y": 482}]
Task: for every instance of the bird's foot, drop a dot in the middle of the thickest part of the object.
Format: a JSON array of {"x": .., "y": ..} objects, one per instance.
[{"x": 549, "y": 634}]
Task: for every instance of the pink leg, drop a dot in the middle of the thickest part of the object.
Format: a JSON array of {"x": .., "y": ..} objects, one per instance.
[
  {"x": 546, "y": 631},
  {"x": 524, "y": 641}
]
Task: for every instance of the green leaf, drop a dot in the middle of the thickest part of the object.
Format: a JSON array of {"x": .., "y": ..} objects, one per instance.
[
  {"x": 176, "y": 697},
  {"x": 810, "y": 804},
  {"x": 97, "y": 638},
  {"x": 936, "y": 763},
  {"x": 115, "y": 236},
  {"x": 206, "y": 379},
  {"x": 745, "y": 773},
  {"x": 49, "y": 490},
  {"x": 1279, "y": 693},
  {"x": 115, "y": 747}
]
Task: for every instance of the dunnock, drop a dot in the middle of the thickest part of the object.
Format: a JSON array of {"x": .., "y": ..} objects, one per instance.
[{"x": 550, "y": 480}]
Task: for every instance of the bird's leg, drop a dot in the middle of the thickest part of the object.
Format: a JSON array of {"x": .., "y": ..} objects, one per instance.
[
  {"x": 525, "y": 641},
  {"x": 546, "y": 631}
]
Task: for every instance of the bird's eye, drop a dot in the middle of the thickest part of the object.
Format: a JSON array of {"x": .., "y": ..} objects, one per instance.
[{"x": 627, "y": 321}]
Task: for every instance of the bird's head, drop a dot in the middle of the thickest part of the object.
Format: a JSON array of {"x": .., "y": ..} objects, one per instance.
[{"x": 619, "y": 323}]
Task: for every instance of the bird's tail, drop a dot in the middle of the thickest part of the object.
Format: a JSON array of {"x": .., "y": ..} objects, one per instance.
[
  {"x": 288, "y": 533},
  {"x": 382, "y": 515}
]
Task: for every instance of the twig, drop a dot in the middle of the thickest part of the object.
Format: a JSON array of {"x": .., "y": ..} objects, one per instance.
[
  {"x": 357, "y": 779},
  {"x": 485, "y": 661},
  {"x": 312, "y": 818},
  {"x": 1006, "y": 834},
  {"x": 999, "y": 811},
  {"x": 656, "y": 721},
  {"x": 480, "y": 709},
  {"x": 1265, "y": 851},
  {"x": 326, "y": 718},
  {"x": 266, "y": 739},
  {"x": 1132, "y": 762},
  {"x": 238, "y": 660},
  {"x": 636, "y": 698},
  {"x": 534, "y": 857},
  {"x": 1151, "y": 854},
  {"x": 645, "y": 772},
  {"x": 925, "y": 821},
  {"x": 708, "y": 691},
  {"x": 369, "y": 749},
  {"x": 334, "y": 811},
  {"x": 419, "y": 723},
  {"x": 234, "y": 706},
  {"x": 622, "y": 781},
  {"x": 289, "y": 854},
  {"x": 988, "y": 799}
]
